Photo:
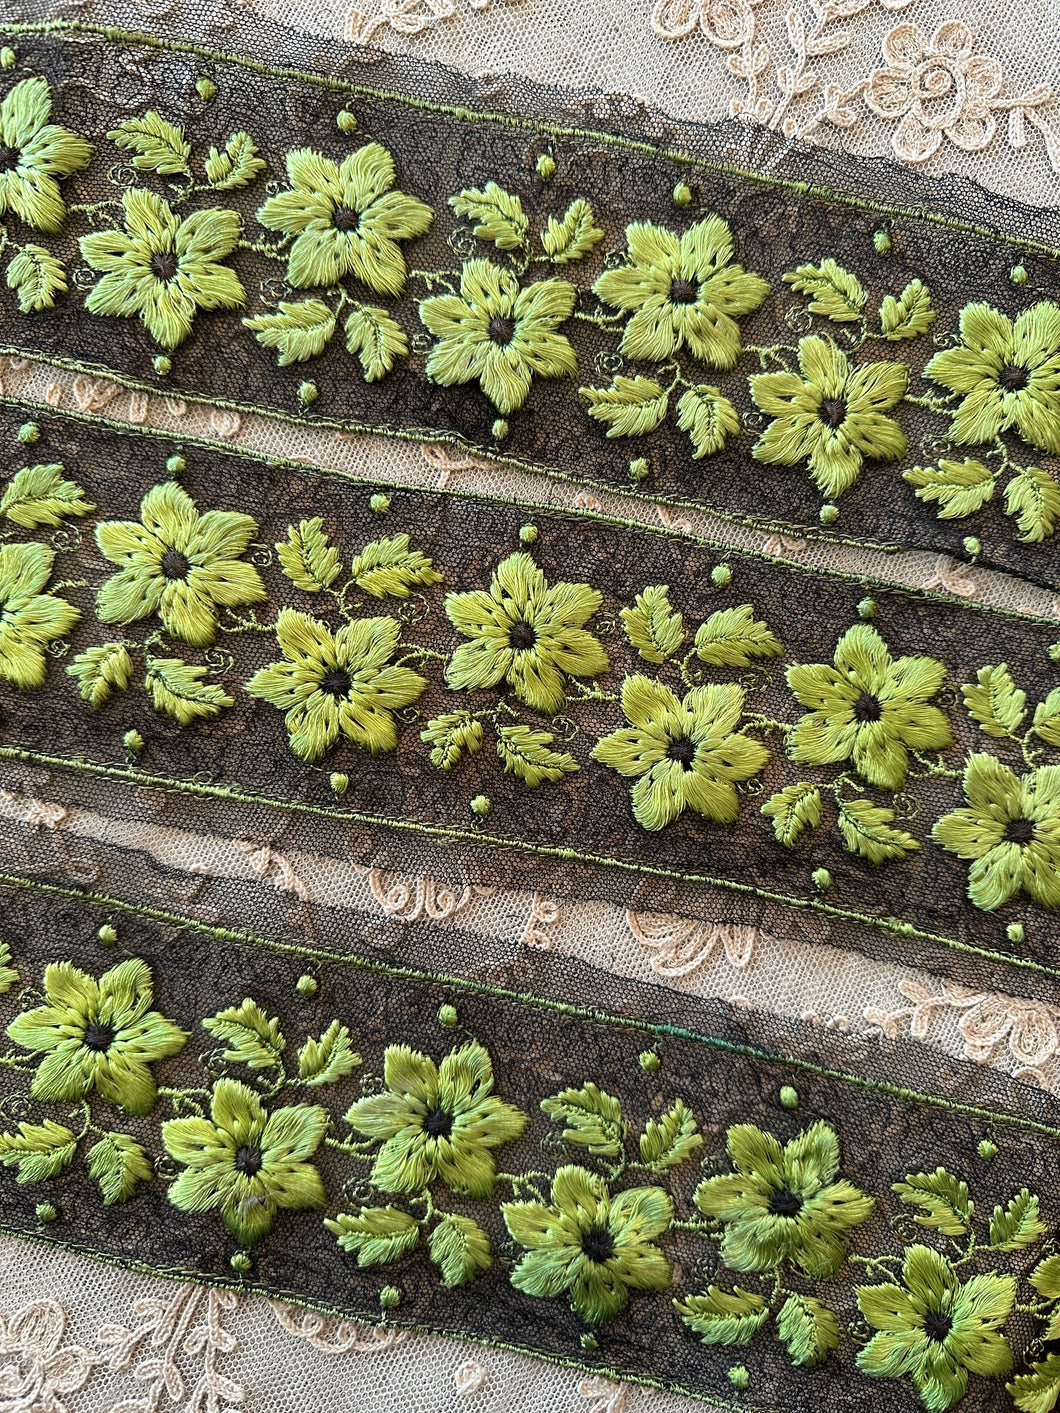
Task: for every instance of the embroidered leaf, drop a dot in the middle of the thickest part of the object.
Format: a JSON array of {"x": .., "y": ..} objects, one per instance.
[
  {"x": 253, "y": 1038},
  {"x": 793, "y": 810},
  {"x": 379, "y": 1235},
  {"x": 451, "y": 735},
  {"x": 38, "y": 495},
  {"x": 377, "y": 339},
  {"x": 177, "y": 689},
  {"x": 960, "y": 487},
  {"x": 1034, "y": 497},
  {"x": 671, "y": 1140},
  {"x": 732, "y": 637},
  {"x": 296, "y": 331},
  {"x": 724, "y": 1317},
  {"x": 1038, "y": 1392},
  {"x": 390, "y": 567},
  {"x": 37, "y": 276},
  {"x": 837, "y": 293},
  {"x": 630, "y": 406},
  {"x": 808, "y": 1329},
  {"x": 708, "y": 418},
  {"x": 1046, "y": 1278},
  {"x": 574, "y": 237},
  {"x": 528, "y": 754},
  {"x": 909, "y": 315},
  {"x": 652, "y": 625},
  {"x": 994, "y": 701},
  {"x": 38, "y": 1151},
  {"x": 119, "y": 1165},
  {"x": 1017, "y": 1225},
  {"x": 1047, "y": 718},
  {"x": 308, "y": 558},
  {"x": 593, "y": 1119},
  {"x": 159, "y": 146},
  {"x": 460, "y": 1249},
  {"x": 8, "y": 974},
  {"x": 101, "y": 671},
  {"x": 866, "y": 829},
  {"x": 942, "y": 1198},
  {"x": 236, "y": 165},
  {"x": 497, "y": 214},
  {"x": 331, "y": 1057}
]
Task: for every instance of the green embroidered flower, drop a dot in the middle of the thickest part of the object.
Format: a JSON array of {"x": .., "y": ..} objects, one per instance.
[
  {"x": 337, "y": 684},
  {"x": 937, "y": 1329},
  {"x": 1008, "y": 373},
  {"x": 1010, "y": 832},
  {"x": 177, "y": 563},
  {"x": 683, "y": 290},
  {"x": 831, "y": 416},
  {"x": 685, "y": 753},
  {"x": 246, "y": 1162},
  {"x": 99, "y": 1035},
  {"x": 29, "y": 618},
  {"x": 499, "y": 334},
  {"x": 783, "y": 1203},
  {"x": 526, "y": 633},
  {"x": 595, "y": 1246},
  {"x": 436, "y": 1121},
  {"x": 34, "y": 155},
  {"x": 163, "y": 268},
  {"x": 868, "y": 708},
  {"x": 346, "y": 220}
]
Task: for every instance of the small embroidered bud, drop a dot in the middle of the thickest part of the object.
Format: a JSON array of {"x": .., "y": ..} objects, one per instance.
[
  {"x": 1016, "y": 932},
  {"x": 380, "y": 503},
  {"x": 590, "y": 1343},
  {"x": 649, "y": 1061},
  {"x": 29, "y": 433},
  {"x": 721, "y": 576},
  {"x": 390, "y": 1297},
  {"x": 108, "y": 935},
  {"x": 739, "y": 1377},
  {"x": 1018, "y": 275},
  {"x": 133, "y": 741},
  {"x": 176, "y": 465},
  {"x": 8, "y": 57},
  {"x": 973, "y": 545},
  {"x": 546, "y": 166},
  {"x": 640, "y": 469},
  {"x": 161, "y": 364},
  {"x": 789, "y": 1097},
  {"x": 882, "y": 241},
  {"x": 241, "y": 1262},
  {"x": 480, "y": 805},
  {"x": 307, "y": 393},
  {"x": 339, "y": 783},
  {"x": 346, "y": 122},
  {"x": 307, "y": 986},
  {"x": 682, "y": 195},
  {"x": 822, "y": 880},
  {"x": 206, "y": 88},
  {"x": 867, "y": 608},
  {"x": 499, "y": 429},
  {"x": 988, "y": 1150},
  {"x": 447, "y": 1016},
  {"x": 45, "y": 1211},
  {"x": 1054, "y": 652},
  {"x": 829, "y": 513},
  {"x": 528, "y": 534}
]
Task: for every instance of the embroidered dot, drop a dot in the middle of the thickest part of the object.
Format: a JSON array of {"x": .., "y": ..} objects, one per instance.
[
  {"x": 161, "y": 364},
  {"x": 973, "y": 545},
  {"x": 937, "y": 1326},
  {"x": 346, "y": 122},
  {"x": 8, "y": 158},
  {"x": 380, "y": 503},
  {"x": 789, "y": 1097},
  {"x": 447, "y": 1016},
  {"x": 684, "y": 292},
  {"x": 598, "y": 1244},
  {"x": 833, "y": 412},
  {"x": 1014, "y": 378},
  {"x": 640, "y": 469},
  {"x": 108, "y": 935},
  {"x": 785, "y": 1203},
  {"x": 882, "y": 241},
  {"x": 1016, "y": 932},
  {"x": 988, "y": 1149},
  {"x": 438, "y": 1124},
  {"x": 175, "y": 565},
  {"x": 307, "y": 986},
  {"x": 336, "y": 682},
  {"x": 739, "y": 1377},
  {"x": 867, "y": 708},
  {"x": 164, "y": 265},
  {"x": 500, "y": 429},
  {"x": 481, "y": 805},
  {"x": 390, "y": 1297},
  {"x": 522, "y": 637},
  {"x": 175, "y": 465},
  {"x": 45, "y": 1212},
  {"x": 528, "y": 534},
  {"x": 867, "y": 608},
  {"x": 1020, "y": 831},
  {"x": 649, "y": 1061},
  {"x": 133, "y": 741},
  {"x": 248, "y": 1161},
  {"x": 8, "y": 58},
  {"x": 339, "y": 783},
  {"x": 1018, "y": 275},
  {"x": 98, "y": 1036},
  {"x": 721, "y": 576},
  {"x": 682, "y": 751},
  {"x": 206, "y": 88},
  {"x": 682, "y": 195},
  {"x": 501, "y": 330},
  {"x": 29, "y": 433},
  {"x": 546, "y": 166},
  {"x": 307, "y": 393},
  {"x": 344, "y": 219},
  {"x": 589, "y": 1343},
  {"x": 828, "y": 514},
  {"x": 241, "y": 1262}
]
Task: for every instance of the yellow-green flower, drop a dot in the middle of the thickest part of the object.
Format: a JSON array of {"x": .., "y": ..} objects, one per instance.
[
  {"x": 35, "y": 155},
  {"x": 29, "y": 618},
  {"x": 526, "y": 633},
  {"x": 177, "y": 563},
  {"x": 784, "y": 1203},
  {"x": 99, "y": 1035},
  {"x": 683, "y": 291},
  {"x": 337, "y": 684},
  {"x": 1009, "y": 831},
  {"x": 593, "y": 1245},
  {"x": 163, "y": 268},
  {"x": 936, "y": 1328},
  {"x": 437, "y": 1121},
  {"x": 346, "y": 219},
  {"x": 499, "y": 335},
  {"x": 249, "y": 1163},
  {"x": 1008, "y": 372},
  {"x": 868, "y": 708},
  {"x": 685, "y": 754},
  {"x": 830, "y": 415}
]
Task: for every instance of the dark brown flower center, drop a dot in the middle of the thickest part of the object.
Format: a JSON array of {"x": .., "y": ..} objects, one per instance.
[
  {"x": 248, "y": 1161},
  {"x": 683, "y": 751},
  {"x": 164, "y": 264},
  {"x": 501, "y": 330},
  {"x": 867, "y": 708},
  {"x": 1020, "y": 831},
  {"x": 598, "y": 1244},
  {"x": 684, "y": 292},
  {"x": 833, "y": 412},
  {"x": 937, "y": 1325},
  {"x": 98, "y": 1036},
  {"x": 175, "y": 565},
  {"x": 785, "y": 1203},
  {"x": 522, "y": 637},
  {"x": 336, "y": 682},
  {"x": 1014, "y": 378},
  {"x": 438, "y": 1124},
  {"x": 344, "y": 219},
  {"x": 9, "y": 158}
]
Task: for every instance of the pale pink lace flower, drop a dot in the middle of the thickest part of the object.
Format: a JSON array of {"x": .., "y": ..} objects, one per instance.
[{"x": 36, "y": 1368}]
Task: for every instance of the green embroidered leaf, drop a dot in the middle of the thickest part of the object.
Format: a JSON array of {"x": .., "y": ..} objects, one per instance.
[
  {"x": 308, "y": 558},
  {"x": 379, "y": 1235},
  {"x": 38, "y": 495},
  {"x": 119, "y": 1165},
  {"x": 37, "y": 276},
  {"x": 994, "y": 701},
  {"x": 177, "y": 689},
  {"x": 296, "y": 331},
  {"x": 460, "y": 1249},
  {"x": 38, "y": 1151},
  {"x": 1034, "y": 497},
  {"x": 1017, "y": 1225},
  {"x": 377, "y": 339},
  {"x": 866, "y": 830},
  {"x": 497, "y": 214},
  {"x": 630, "y": 406},
  {"x": 528, "y": 754},
  {"x": 909, "y": 315},
  {"x": 1047, "y": 718},
  {"x": 330, "y": 1058},
  {"x": 808, "y": 1329},
  {"x": 793, "y": 810},
  {"x": 732, "y": 637},
  {"x": 593, "y": 1118},
  {"x": 390, "y": 567},
  {"x": 8, "y": 974},
  {"x": 160, "y": 147},
  {"x": 708, "y": 418},
  {"x": 237, "y": 165},
  {"x": 942, "y": 1198},
  {"x": 253, "y": 1038},
  {"x": 1046, "y": 1278},
  {"x": 101, "y": 671},
  {"x": 652, "y": 625},
  {"x": 451, "y": 735},
  {"x": 574, "y": 237},
  {"x": 671, "y": 1140},
  {"x": 960, "y": 487},
  {"x": 724, "y": 1317},
  {"x": 837, "y": 293},
  {"x": 1038, "y": 1392}
]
